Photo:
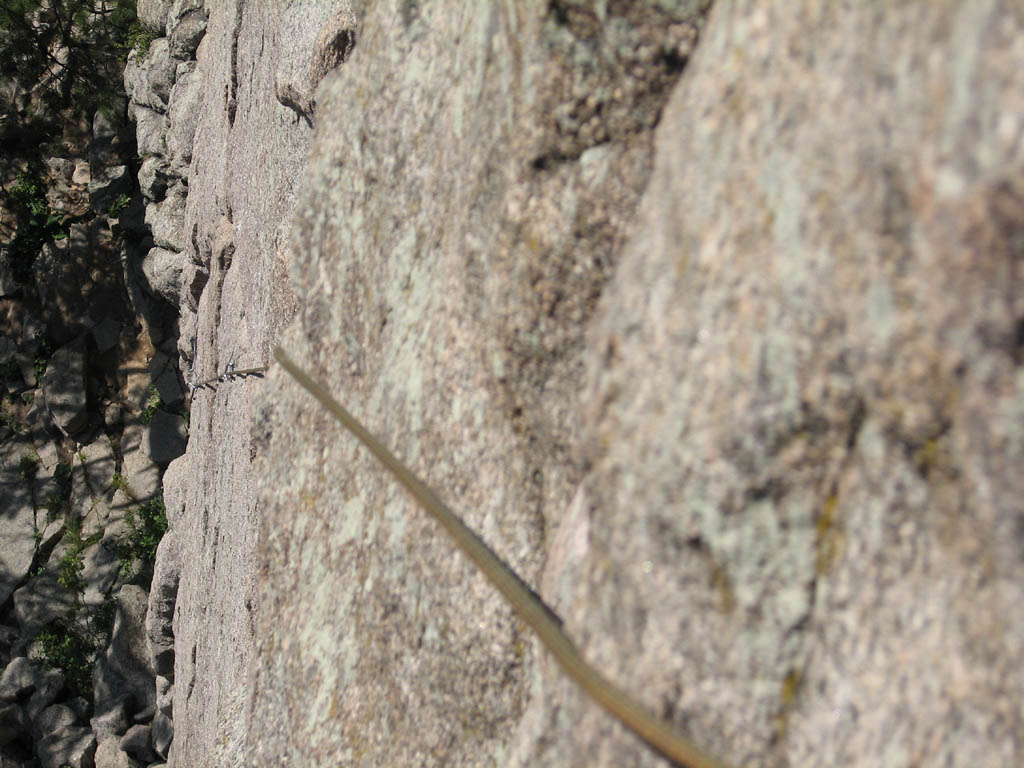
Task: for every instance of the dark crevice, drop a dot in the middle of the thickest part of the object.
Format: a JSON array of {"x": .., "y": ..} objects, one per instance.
[{"x": 232, "y": 95}]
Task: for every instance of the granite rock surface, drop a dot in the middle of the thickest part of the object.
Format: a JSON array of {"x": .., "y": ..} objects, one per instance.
[{"x": 705, "y": 316}]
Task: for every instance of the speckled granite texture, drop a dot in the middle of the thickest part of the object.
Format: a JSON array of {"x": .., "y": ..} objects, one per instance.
[{"x": 709, "y": 320}]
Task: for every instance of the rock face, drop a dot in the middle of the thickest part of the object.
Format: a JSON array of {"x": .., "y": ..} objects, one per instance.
[{"x": 708, "y": 320}]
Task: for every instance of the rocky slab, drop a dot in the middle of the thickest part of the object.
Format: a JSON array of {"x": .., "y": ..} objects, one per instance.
[
  {"x": 706, "y": 322},
  {"x": 18, "y": 518},
  {"x": 64, "y": 387}
]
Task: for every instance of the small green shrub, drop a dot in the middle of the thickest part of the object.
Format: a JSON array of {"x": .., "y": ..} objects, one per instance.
[
  {"x": 13, "y": 422},
  {"x": 69, "y": 574},
  {"x": 147, "y": 525},
  {"x": 63, "y": 646},
  {"x": 71, "y": 565},
  {"x": 119, "y": 204},
  {"x": 153, "y": 403},
  {"x": 138, "y": 39},
  {"x": 35, "y": 222},
  {"x": 27, "y": 194},
  {"x": 42, "y": 360},
  {"x": 119, "y": 483}
]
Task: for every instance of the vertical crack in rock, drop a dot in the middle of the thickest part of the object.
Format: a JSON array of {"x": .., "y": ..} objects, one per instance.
[{"x": 231, "y": 90}]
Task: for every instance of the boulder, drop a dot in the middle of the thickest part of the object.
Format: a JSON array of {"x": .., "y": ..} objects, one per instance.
[
  {"x": 165, "y": 376},
  {"x": 105, "y": 126},
  {"x": 82, "y": 174},
  {"x": 163, "y": 593},
  {"x": 101, "y": 566},
  {"x": 181, "y": 8},
  {"x": 20, "y": 679},
  {"x": 132, "y": 218},
  {"x": 68, "y": 281},
  {"x": 40, "y": 423},
  {"x": 183, "y": 115},
  {"x": 162, "y": 269},
  {"x": 43, "y": 599},
  {"x": 153, "y": 14},
  {"x": 166, "y": 219},
  {"x": 60, "y": 199},
  {"x": 49, "y": 686},
  {"x": 53, "y": 720},
  {"x": 137, "y": 742},
  {"x": 71, "y": 747},
  {"x": 108, "y": 146},
  {"x": 80, "y": 707},
  {"x": 111, "y": 724},
  {"x": 162, "y": 730},
  {"x": 64, "y": 387},
  {"x": 186, "y": 33},
  {"x": 110, "y": 755},
  {"x": 137, "y": 466},
  {"x": 26, "y": 365},
  {"x": 8, "y": 637},
  {"x": 153, "y": 178},
  {"x": 148, "y": 79},
  {"x": 60, "y": 168},
  {"x": 99, "y": 463},
  {"x": 124, "y": 674},
  {"x": 150, "y": 129},
  {"x": 107, "y": 186},
  {"x": 164, "y": 686}
]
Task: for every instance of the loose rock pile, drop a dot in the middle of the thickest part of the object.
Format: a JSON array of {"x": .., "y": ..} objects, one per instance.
[{"x": 92, "y": 405}]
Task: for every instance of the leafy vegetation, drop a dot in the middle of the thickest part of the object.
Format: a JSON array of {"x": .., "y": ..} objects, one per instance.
[
  {"x": 42, "y": 359},
  {"x": 119, "y": 483},
  {"x": 119, "y": 204},
  {"x": 11, "y": 420},
  {"x": 70, "y": 46},
  {"x": 139, "y": 38},
  {"x": 71, "y": 643},
  {"x": 65, "y": 647},
  {"x": 71, "y": 566},
  {"x": 35, "y": 222},
  {"x": 147, "y": 524},
  {"x": 153, "y": 403},
  {"x": 66, "y": 59}
]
